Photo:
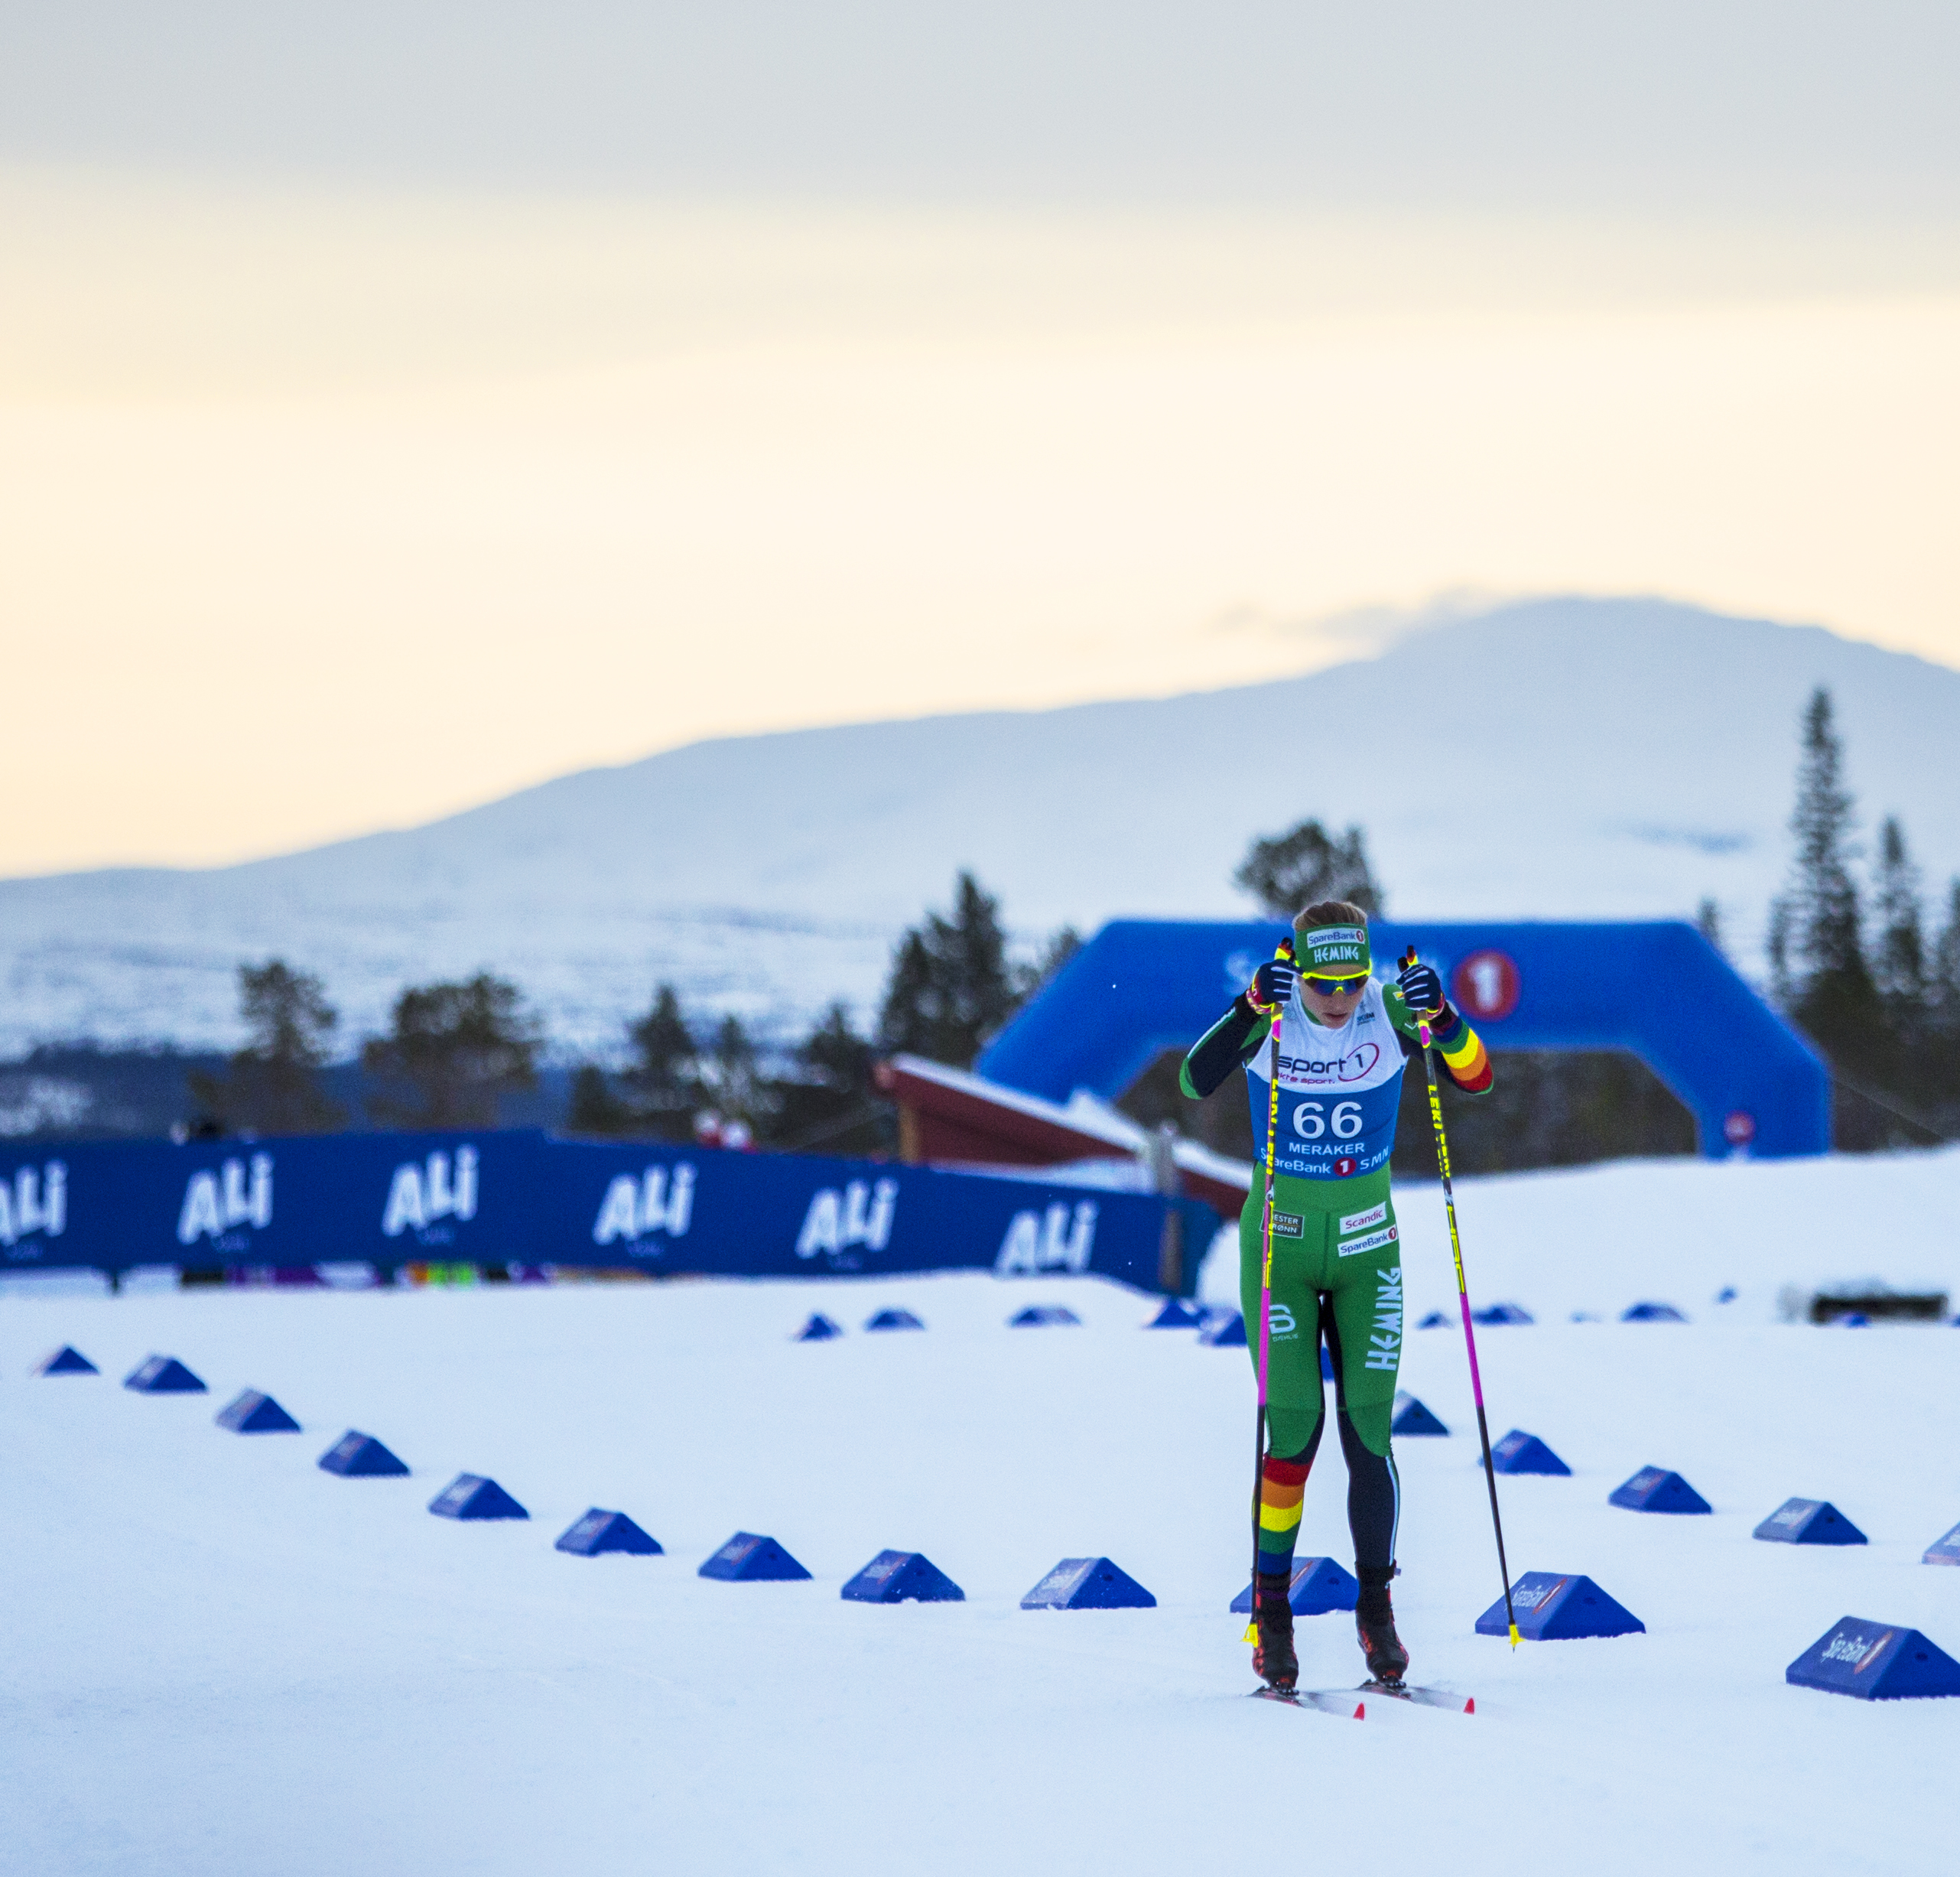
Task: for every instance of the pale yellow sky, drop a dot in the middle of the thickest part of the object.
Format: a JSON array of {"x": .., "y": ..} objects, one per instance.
[{"x": 326, "y": 509}]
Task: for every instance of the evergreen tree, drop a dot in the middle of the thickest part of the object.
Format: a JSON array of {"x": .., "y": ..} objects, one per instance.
[
  {"x": 1943, "y": 975},
  {"x": 663, "y": 1082},
  {"x": 272, "y": 1085},
  {"x": 594, "y": 1108},
  {"x": 1708, "y": 923},
  {"x": 1063, "y": 943},
  {"x": 1899, "y": 967},
  {"x": 733, "y": 1080},
  {"x": 1836, "y": 1000},
  {"x": 1776, "y": 943},
  {"x": 1286, "y": 872},
  {"x": 826, "y": 1102},
  {"x": 949, "y": 987},
  {"x": 454, "y": 1051},
  {"x": 655, "y": 1097}
]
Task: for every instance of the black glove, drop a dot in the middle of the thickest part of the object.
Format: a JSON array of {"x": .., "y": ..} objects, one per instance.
[
  {"x": 1422, "y": 990},
  {"x": 1271, "y": 986}
]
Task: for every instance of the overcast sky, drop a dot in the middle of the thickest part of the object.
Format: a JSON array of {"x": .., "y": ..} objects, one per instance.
[
  {"x": 400, "y": 403},
  {"x": 1794, "y": 107}
]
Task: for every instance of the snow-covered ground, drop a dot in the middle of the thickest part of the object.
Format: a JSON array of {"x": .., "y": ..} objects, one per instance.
[{"x": 222, "y": 1660}]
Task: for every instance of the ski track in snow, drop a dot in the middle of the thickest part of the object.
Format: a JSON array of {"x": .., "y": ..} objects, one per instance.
[{"x": 225, "y": 1661}]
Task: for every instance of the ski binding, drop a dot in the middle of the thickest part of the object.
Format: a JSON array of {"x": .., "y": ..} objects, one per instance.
[
  {"x": 1421, "y": 1697},
  {"x": 1345, "y": 1703}
]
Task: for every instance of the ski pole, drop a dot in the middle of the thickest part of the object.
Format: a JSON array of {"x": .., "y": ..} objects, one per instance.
[
  {"x": 1284, "y": 949},
  {"x": 1463, "y": 1299}
]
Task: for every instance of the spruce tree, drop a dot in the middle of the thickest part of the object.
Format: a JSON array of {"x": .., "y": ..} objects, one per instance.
[
  {"x": 1286, "y": 872},
  {"x": 594, "y": 1108},
  {"x": 663, "y": 1082},
  {"x": 656, "y": 1095},
  {"x": 454, "y": 1051},
  {"x": 733, "y": 1080},
  {"x": 1708, "y": 923},
  {"x": 1900, "y": 965},
  {"x": 951, "y": 986},
  {"x": 272, "y": 1085},
  {"x": 827, "y": 1103},
  {"x": 1836, "y": 1000},
  {"x": 1943, "y": 974}
]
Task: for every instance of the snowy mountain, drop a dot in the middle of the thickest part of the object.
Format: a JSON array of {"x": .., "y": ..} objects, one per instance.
[{"x": 1558, "y": 758}]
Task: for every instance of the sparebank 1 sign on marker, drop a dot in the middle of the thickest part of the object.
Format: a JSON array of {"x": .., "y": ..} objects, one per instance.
[
  {"x": 33, "y": 1201},
  {"x": 635, "y": 1210},
  {"x": 223, "y": 1205},
  {"x": 423, "y": 1195}
]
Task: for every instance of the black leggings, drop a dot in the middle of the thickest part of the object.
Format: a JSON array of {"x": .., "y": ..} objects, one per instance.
[{"x": 1374, "y": 1494}]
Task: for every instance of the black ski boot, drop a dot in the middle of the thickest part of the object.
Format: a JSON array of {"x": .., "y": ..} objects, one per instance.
[
  {"x": 1272, "y": 1657},
  {"x": 1374, "y": 1627}
]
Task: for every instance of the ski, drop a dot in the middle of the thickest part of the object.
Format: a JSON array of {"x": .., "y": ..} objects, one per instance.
[
  {"x": 1343, "y": 1702},
  {"x": 1422, "y": 1697}
]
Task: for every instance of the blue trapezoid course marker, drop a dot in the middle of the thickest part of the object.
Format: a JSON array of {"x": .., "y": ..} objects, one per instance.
[
  {"x": 1318, "y": 1585},
  {"x": 163, "y": 1374},
  {"x": 893, "y": 1319},
  {"x": 1654, "y": 1489},
  {"x": 256, "y": 1413},
  {"x": 1551, "y": 1607},
  {"x": 1043, "y": 1317},
  {"x": 1521, "y": 1452},
  {"x": 1088, "y": 1584},
  {"x": 1945, "y": 1551},
  {"x": 1875, "y": 1662},
  {"x": 1652, "y": 1313},
  {"x": 66, "y": 1361},
  {"x": 750, "y": 1558},
  {"x": 903, "y": 1577},
  {"x": 1176, "y": 1314},
  {"x": 469, "y": 1495},
  {"x": 1809, "y": 1521},
  {"x": 1411, "y": 1417},
  {"x": 600, "y": 1531},
  {"x": 819, "y": 1328},
  {"x": 357, "y": 1455}
]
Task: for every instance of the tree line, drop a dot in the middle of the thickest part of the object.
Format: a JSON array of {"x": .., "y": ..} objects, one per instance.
[
  {"x": 453, "y": 1052},
  {"x": 1854, "y": 963},
  {"x": 1857, "y": 968}
]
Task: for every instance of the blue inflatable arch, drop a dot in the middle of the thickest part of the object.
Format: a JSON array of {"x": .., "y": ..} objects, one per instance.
[{"x": 1658, "y": 989}]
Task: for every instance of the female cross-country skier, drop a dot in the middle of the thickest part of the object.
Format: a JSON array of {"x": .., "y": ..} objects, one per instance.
[{"x": 1336, "y": 1261}]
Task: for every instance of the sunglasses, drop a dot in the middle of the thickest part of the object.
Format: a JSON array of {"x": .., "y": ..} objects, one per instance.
[{"x": 1333, "y": 987}]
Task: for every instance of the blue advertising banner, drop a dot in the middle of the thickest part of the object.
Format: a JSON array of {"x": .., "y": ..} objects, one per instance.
[
  {"x": 513, "y": 1196},
  {"x": 789, "y": 1215},
  {"x": 388, "y": 1199}
]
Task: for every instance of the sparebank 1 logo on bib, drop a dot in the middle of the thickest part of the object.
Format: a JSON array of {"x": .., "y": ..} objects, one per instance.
[
  {"x": 224, "y": 1206},
  {"x": 34, "y": 1203},
  {"x": 424, "y": 1195}
]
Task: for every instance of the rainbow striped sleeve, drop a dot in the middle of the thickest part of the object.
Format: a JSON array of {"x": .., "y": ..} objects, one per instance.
[{"x": 1465, "y": 1060}]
